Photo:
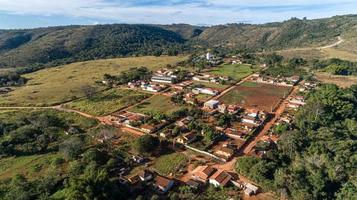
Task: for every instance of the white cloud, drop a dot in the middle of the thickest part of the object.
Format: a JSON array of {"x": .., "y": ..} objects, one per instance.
[{"x": 214, "y": 12}]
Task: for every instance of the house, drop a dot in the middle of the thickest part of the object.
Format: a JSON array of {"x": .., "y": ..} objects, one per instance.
[
  {"x": 207, "y": 91},
  {"x": 233, "y": 109},
  {"x": 211, "y": 104},
  {"x": 224, "y": 152},
  {"x": 163, "y": 79},
  {"x": 134, "y": 179},
  {"x": 294, "y": 105},
  {"x": 248, "y": 126},
  {"x": 294, "y": 79},
  {"x": 138, "y": 159},
  {"x": 163, "y": 184},
  {"x": 186, "y": 138},
  {"x": 251, "y": 189},
  {"x": 202, "y": 173},
  {"x": 250, "y": 120},
  {"x": 297, "y": 100},
  {"x": 220, "y": 178},
  {"x": 234, "y": 133},
  {"x": 165, "y": 134},
  {"x": 222, "y": 108},
  {"x": 145, "y": 175},
  {"x": 147, "y": 128}
]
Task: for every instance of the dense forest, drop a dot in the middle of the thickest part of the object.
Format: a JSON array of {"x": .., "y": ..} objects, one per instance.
[
  {"x": 32, "y": 49},
  {"x": 316, "y": 159}
]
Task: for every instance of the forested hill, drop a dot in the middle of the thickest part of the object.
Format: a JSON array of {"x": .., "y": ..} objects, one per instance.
[{"x": 58, "y": 45}]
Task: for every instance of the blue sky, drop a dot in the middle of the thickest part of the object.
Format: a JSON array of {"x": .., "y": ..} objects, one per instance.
[{"x": 42, "y": 13}]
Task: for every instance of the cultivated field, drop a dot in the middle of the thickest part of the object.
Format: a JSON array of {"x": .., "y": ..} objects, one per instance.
[
  {"x": 342, "y": 81},
  {"x": 255, "y": 95},
  {"x": 237, "y": 72},
  {"x": 60, "y": 84},
  {"x": 108, "y": 101},
  {"x": 156, "y": 104}
]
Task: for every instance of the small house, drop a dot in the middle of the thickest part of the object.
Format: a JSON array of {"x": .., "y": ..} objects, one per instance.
[
  {"x": 224, "y": 152},
  {"x": 220, "y": 178},
  {"x": 163, "y": 184},
  {"x": 202, "y": 173},
  {"x": 211, "y": 104},
  {"x": 186, "y": 138},
  {"x": 145, "y": 175},
  {"x": 251, "y": 189}
]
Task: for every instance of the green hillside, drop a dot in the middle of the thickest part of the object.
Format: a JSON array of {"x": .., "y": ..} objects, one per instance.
[{"x": 43, "y": 47}]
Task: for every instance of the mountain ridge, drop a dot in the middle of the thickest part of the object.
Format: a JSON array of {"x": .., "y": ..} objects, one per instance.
[{"x": 52, "y": 46}]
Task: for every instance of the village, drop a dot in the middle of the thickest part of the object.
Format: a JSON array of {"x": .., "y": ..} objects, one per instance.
[{"x": 231, "y": 118}]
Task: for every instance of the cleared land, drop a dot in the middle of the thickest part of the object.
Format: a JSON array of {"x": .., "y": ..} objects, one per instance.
[
  {"x": 255, "y": 95},
  {"x": 342, "y": 81},
  {"x": 108, "y": 101},
  {"x": 61, "y": 84},
  {"x": 156, "y": 104},
  {"x": 236, "y": 71}
]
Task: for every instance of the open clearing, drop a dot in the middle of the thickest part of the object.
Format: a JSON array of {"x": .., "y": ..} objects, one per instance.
[
  {"x": 60, "y": 84},
  {"x": 237, "y": 71},
  {"x": 156, "y": 104},
  {"x": 108, "y": 101},
  {"x": 255, "y": 95},
  {"x": 342, "y": 81}
]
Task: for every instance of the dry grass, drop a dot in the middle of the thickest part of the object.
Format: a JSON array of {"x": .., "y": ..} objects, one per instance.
[
  {"x": 63, "y": 83},
  {"x": 342, "y": 81}
]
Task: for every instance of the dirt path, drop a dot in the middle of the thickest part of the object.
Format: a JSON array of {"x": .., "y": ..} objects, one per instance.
[{"x": 340, "y": 40}]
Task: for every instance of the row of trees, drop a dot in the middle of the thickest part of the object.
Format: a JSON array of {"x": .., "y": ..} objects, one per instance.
[{"x": 133, "y": 74}]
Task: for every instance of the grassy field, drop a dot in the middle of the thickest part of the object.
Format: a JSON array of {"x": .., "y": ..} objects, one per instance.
[
  {"x": 342, "y": 81},
  {"x": 255, "y": 95},
  {"x": 108, "y": 101},
  {"x": 156, "y": 104},
  {"x": 319, "y": 54},
  {"x": 63, "y": 83},
  {"x": 29, "y": 166},
  {"x": 170, "y": 163},
  {"x": 237, "y": 72}
]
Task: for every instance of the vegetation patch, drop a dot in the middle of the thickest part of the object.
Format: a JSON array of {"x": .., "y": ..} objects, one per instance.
[
  {"x": 156, "y": 104},
  {"x": 65, "y": 83},
  {"x": 236, "y": 71},
  {"x": 170, "y": 163},
  {"x": 108, "y": 101}
]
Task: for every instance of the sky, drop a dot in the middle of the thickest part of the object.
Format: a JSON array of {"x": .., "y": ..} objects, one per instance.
[{"x": 16, "y": 14}]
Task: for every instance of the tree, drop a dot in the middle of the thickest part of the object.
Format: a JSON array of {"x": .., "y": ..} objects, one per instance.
[
  {"x": 71, "y": 148},
  {"x": 88, "y": 91},
  {"x": 20, "y": 189},
  {"x": 145, "y": 144}
]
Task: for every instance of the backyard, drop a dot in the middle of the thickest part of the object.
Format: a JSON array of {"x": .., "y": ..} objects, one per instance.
[{"x": 256, "y": 95}]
